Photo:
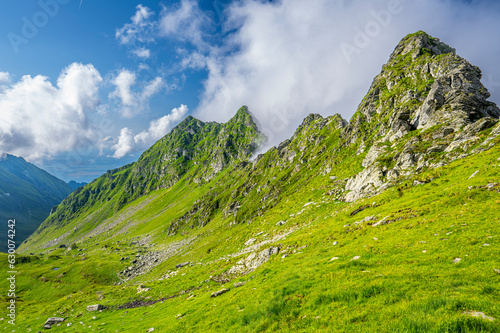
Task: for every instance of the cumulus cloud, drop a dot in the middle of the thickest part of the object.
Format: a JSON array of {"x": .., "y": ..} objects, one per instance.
[
  {"x": 132, "y": 99},
  {"x": 40, "y": 120},
  {"x": 185, "y": 22},
  {"x": 4, "y": 80},
  {"x": 128, "y": 142},
  {"x": 4, "y": 77},
  {"x": 288, "y": 58},
  {"x": 142, "y": 53},
  {"x": 140, "y": 29},
  {"x": 125, "y": 143}
]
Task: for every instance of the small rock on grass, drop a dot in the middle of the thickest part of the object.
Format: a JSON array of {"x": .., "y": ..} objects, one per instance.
[
  {"x": 220, "y": 292},
  {"x": 478, "y": 314},
  {"x": 355, "y": 258},
  {"x": 456, "y": 260}
]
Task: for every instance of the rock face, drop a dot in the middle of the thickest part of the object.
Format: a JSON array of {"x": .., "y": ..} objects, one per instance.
[{"x": 427, "y": 88}]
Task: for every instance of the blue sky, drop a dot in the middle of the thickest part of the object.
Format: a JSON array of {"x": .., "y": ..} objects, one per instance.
[{"x": 86, "y": 86}]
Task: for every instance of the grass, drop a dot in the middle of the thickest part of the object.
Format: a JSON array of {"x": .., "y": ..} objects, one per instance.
[{"x": 393, "y": 287}]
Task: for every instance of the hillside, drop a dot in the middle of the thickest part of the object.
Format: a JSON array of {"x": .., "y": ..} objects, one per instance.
[
  {"x": 387, "y": 223},
  {"x": 27, "y": 194}
]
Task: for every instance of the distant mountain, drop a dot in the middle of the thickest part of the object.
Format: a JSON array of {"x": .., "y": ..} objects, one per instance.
[
  {"x": 27, "y": 194},
  {"x": 74, "y": 185}
]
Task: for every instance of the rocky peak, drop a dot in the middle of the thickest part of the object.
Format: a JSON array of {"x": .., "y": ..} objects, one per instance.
[
  {"x": 423, "y": 84},
  {"x": 420, "y": 43},
  {"x": 424, "y": 87}
]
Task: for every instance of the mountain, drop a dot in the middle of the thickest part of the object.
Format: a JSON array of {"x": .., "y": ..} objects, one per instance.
[
  {"x": 74, "y": 185},
  {"x": 385, "y": 223},
  {"x": 27, "y": 194}
]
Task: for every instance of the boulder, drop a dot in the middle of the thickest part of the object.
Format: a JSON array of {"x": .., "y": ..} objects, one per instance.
[
  {"x": 96, "y": 307},
  {"x": 52, "y": 321}
]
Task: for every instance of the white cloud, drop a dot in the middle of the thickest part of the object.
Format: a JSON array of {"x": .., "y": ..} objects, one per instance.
[
  {"x": 141, "y": 28},
  {"x": 284, "y": 59},
  {"x": 133, "y": 100},
  {"x": 125, "y": 143},
  {"x": 185, "y": 22},
  {"x": 128, "y": 143},
  {"x": 40, "y": 120},
  {"x": 123, "y": 83},
  {"x": 142, "y": 53},
  {"x": 4, "y": 78}
]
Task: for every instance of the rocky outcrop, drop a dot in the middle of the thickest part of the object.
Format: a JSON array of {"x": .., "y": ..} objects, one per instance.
[
  {"x": 252, "y": 262},
  {"x": 427, "y": 89}
]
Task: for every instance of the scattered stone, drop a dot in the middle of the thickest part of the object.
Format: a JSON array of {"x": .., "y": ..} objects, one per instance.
[
  {"x": 96, "y": 307},
  {"x": 486, "y": 244},
  {"x": 142, "y": 288},
  {"x": 355, "y": 258},
  {"x": 62, "y": 246},
  {"x": 474, "y": 174},
  {"x": 151, "y": 329},
  {"x": 284, "y": 256},
  {"x": 47, "y": 326},
  {"x": 220, "y": 292},
  {"x": 260, "y": 233},
  {"x": 239, "y": 284},
  {"x": 417, "y": 182},
  {"x": 335, "y": 243},
  {"x": 280, "y": 223},
  {"x": 496, "y": 270},
  {"x": 334, "y": 258},
  {"x": 456, "y": 260},
  {"x": 478, "y": 314},
  {"x": 250, "y": 241},
  {"x": 182, "y": 264}
]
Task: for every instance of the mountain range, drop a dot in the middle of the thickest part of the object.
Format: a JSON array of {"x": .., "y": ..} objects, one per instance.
[
  {"x": 386, "y": 222},
  {"x": 27, "y": 194}
]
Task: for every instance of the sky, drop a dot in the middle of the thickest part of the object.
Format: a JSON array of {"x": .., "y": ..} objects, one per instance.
[{"x": 87, "y": 86}]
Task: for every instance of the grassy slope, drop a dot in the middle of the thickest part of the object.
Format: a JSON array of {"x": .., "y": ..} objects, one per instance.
[{"x": 393, "y": 287}]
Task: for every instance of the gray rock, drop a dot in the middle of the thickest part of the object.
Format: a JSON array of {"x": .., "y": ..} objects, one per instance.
[
  {"x": 220, "y": 292},
  {"x": 253, "y": 261},
  {"x": 480, "y": 315},
  {"x": 182, "y": 264},
  {"x": 364, "y": 184},
  {"x": 239, "y": 284},
  {"x": 95, "y": 307}
]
